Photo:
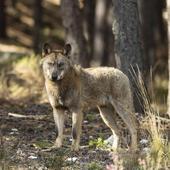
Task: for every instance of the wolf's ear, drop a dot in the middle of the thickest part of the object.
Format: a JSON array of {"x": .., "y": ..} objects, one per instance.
[
  {"x": 67, "y": 49},
  {"x": 46, "y": 49}
]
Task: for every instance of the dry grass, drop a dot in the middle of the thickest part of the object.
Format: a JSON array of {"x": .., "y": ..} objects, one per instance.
[{"x": 157, "y": 155}]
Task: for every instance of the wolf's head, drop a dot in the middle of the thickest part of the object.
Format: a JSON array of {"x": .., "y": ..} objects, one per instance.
[{"x": 56, "y": 63}]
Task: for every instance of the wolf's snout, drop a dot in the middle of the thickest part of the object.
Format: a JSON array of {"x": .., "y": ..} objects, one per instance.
[{"x": 54, "y": 77}]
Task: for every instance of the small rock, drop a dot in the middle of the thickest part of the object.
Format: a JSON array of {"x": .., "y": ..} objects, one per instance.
[
  {"x": 7, "y": 139},
  {"x": 146, "y": 150},
  {"x": 14, "y": 130},
  {"x": 19, "y": 151},
  {"x": 143, "y": 141},
  {"x": 73, "y": 159},
  {"x": 85, "y": 122},
  {"x": 32, "y": 157},
  {"x": 12, "y": 133},
  {"x": 42, "y": 168}
]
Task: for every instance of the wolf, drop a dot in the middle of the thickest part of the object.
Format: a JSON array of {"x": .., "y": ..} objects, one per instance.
[{"x": 75, "y": 89}]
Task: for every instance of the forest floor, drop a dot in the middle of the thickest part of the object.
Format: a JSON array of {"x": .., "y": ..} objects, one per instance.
[{"x": 22, "y": 139}]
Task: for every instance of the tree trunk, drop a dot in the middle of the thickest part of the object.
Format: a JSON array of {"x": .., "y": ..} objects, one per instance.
[
  {"x": 153, "y": 31},
  {"x": 89, "y": 16},
  {"x": 148, "y": 23},
  {"x": 2, "y": 20},
  {"x": 108, "y": 58},
  {"x": 128, "y": 49},
  {"x": 72, "y": 21},
  {"x": 38, "y": 12},
  {"x": 168, "y": 100}
]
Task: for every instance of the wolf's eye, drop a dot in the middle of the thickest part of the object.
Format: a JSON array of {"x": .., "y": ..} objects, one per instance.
[
  {"x": 50, "y": 63},
  {"x": 60, "y": 64}
]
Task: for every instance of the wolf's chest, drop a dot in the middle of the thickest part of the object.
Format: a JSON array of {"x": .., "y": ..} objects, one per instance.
[
  {"x": 57, "y": 99},
  {"x": 65, "y": 98}
]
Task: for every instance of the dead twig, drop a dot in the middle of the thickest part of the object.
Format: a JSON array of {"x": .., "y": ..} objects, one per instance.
[{"x": 36, "y": 117}]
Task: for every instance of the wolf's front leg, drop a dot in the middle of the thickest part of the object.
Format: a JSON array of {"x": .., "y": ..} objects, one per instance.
[
  {"x": 59, "y": 121},
  {"x": 76, "y": 129}
]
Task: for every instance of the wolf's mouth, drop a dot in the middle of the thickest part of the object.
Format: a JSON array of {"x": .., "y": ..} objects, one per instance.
[
  {"x": 57, "y": 78},
  {"x": 60, "y": 77}
]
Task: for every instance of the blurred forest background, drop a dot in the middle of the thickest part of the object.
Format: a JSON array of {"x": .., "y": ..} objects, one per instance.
[
  {"x": 115, "y": 33},
  {"x": 26, "y": 25}
]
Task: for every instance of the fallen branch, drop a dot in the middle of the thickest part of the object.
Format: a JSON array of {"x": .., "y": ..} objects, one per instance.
[{"x": 36, "y": 117}]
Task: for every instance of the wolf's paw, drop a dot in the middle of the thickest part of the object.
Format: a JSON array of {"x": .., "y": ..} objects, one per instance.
[
  {"x": 57, "y": 144},
  {"x": 134, "y": 148},
  {"x": 75, "y": 147}
]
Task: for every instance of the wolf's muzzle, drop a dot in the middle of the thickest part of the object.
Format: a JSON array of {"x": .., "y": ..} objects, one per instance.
[{"x": 54, "y": 77}]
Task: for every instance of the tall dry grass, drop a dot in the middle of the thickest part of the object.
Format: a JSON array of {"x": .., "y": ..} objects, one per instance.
[{"x": 156, "y": 155}]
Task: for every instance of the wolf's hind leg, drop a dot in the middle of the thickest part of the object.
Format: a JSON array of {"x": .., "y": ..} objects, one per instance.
[
  {"x": 77, "y": 119},
  {"x": 108, "y": 115},
  {"x": 126, "y": 112}
]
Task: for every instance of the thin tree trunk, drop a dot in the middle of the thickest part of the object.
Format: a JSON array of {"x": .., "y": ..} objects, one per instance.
[
  {"x": 100, "y": 17},
  {"x": 72, "y": 22},
  {"x": 128, "y": 49},
  {"x": 103, "y": 54},
  {"x": 38, "y": 12},
  {"x": 108, "y": 58},
  {"x": 89, "y": 16},
  {"x": 168, "y": 100},
  {"x": 2, "y": 19}
]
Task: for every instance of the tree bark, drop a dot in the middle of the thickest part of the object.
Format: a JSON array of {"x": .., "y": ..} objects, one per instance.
[
  {"x": 128, "y": 48},
  {"x": 168, "y": 100},
  {"x": 154, "y": 33},
  {"x": 148, "y": 23},
  {"x": 72, "y": 21},
  {"x": 37, "y": 32},
  {"x": 3, "y": 34}
]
